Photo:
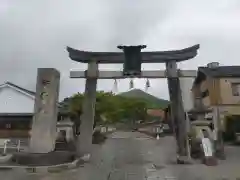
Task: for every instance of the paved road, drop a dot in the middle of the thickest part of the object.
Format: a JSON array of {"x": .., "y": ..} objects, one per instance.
[{"x": 135, "y": 156}]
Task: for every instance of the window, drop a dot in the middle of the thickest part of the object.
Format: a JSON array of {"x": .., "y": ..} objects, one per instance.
[
  {"x": 8, "y": 126},
  {"x": 235, "y": 89},
  {"x": 205, "y": 94}
]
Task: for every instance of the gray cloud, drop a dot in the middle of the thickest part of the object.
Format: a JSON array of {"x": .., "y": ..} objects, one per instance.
[{"x": 35, "y": 34}]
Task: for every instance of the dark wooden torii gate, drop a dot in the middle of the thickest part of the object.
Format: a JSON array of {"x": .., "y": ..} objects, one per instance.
[{"x": 132, "y": 58}]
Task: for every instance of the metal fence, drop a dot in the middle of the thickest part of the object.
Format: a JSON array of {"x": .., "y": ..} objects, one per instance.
[{"x": 13, "y": 145}]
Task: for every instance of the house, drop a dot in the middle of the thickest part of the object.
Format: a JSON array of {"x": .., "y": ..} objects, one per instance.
[
  {"x": 217, "y": 86},
  {"x": 16, "y": 111}
]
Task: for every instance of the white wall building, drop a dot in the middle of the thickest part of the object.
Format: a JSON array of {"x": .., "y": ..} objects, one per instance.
[
  {"x": 14, "y": 99},
  {"x": 17, "y": 104}
]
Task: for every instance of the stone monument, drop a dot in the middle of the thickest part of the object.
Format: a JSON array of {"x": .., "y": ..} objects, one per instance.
[
  {"x": 42, "y": 151},
  {"x": 43, "y": 133}
]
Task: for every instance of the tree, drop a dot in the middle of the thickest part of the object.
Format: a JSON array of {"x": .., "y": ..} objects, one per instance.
[
  {"x": 72, "y": 106},
  {"x": 110, "y": 108},
  {"x": 134, "y": 109}
]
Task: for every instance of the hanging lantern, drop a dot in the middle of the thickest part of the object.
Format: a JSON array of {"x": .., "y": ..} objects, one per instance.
[
  {"x": 131, "y": 84},
  {"x": 133, "y": 60},
  {"x": 147, "y": 84}
]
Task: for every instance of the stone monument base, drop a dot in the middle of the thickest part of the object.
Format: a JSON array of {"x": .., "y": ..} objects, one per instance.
[{"x": 37, "y": 159}]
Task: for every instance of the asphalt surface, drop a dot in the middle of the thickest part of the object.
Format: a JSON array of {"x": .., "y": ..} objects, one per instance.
[{"x": 136, "y": 156}]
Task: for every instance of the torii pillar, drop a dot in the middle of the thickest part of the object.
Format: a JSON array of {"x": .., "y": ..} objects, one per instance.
[
  {"x": 177, "y": 111},
  {"x": 88, "y": 108}
]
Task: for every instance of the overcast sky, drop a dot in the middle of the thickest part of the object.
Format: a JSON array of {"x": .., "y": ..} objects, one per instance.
[{"x": 35, "y": 33}]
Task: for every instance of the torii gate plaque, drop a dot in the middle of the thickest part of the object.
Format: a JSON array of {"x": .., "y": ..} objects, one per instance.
[{"x": 132, "y": 58}]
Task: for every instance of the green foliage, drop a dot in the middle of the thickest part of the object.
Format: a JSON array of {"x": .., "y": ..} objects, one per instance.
[{"x": 109, "y": 108}]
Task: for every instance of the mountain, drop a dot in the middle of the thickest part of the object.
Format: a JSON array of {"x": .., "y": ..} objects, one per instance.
[{"x": 152, "y": 101}]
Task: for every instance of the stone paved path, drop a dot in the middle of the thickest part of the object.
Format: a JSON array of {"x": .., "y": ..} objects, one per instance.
[{"x": 135, "y": 156}]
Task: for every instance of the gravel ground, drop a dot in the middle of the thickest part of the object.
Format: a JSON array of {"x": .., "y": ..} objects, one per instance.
[{"x": 136, "y": 156}]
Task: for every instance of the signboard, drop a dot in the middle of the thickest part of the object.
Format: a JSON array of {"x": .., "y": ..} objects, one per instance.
[{"x": 207, "y": 147}]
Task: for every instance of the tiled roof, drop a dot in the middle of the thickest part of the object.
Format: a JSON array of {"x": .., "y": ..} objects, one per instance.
[
  {"x": 221, "y": 71},
  {"x": 22, "y": 89}
]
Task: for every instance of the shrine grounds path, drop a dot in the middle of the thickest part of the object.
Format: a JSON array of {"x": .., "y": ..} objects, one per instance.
[{"x": 136, "y": 156}]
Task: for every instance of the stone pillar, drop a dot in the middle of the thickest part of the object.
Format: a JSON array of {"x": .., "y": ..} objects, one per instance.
[
  {"x": 88, "y": 112},
  {"x": 43, "y": 133},
  {"x": 219, "y": 144},
  {"x": 178, "y": 114},
  {"x": 186, "y": 86}
]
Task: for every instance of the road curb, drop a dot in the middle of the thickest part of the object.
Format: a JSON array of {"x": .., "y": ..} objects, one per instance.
[{"x": 47, "y": 169}]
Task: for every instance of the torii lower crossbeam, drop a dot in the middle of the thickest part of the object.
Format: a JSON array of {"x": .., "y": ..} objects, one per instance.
[{"x": 119, "y": 74}]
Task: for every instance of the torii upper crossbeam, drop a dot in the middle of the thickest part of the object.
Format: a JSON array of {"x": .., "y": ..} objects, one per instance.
[{"x": 147, "y": 57}]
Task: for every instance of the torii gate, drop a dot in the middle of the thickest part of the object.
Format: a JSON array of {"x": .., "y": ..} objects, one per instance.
[{"x": 132, "y": 58}]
